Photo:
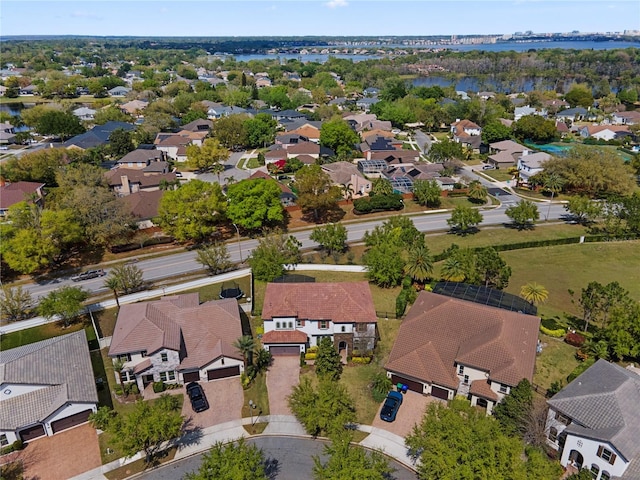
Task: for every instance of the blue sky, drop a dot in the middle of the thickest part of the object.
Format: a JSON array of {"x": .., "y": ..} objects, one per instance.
[{"x": 310, "y": 17}]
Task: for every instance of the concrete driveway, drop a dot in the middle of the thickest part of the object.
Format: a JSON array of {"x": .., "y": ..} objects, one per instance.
[
  {"x": 411, "y": 412},
  {"x": 63, "y": 455},
  {"x": 225, "y": 398},
  {"x": 282, "y": 376}
]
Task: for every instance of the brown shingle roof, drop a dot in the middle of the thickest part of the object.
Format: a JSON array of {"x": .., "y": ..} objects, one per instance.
[
  {"x": 144, "y": 204},
  {"x": 345, "y": 302},
  {"x": 445, "y": 331},
  {"x": 481, "y": 388},
  {"x": 284, "y": 336},
  {"x": 13, "y": 193},
  {"x": 146, "y": 180},
  {"x": 308, "y": 148}
]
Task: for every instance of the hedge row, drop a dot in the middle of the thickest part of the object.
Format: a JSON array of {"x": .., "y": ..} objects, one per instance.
[
  {"x": 559, "y": 333},
  {"x": 378, "y": 203}
]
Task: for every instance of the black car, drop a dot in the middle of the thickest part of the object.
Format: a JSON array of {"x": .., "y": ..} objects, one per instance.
[{"x": 196, "y": 395}]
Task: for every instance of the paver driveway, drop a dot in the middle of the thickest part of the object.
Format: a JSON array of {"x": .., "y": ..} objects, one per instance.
[
  {"x": 62, "y": 456},
  {"x": 411, "y": 411},
  {"x": 282, "y": 376},
  {"x": 225, "y": 398}
]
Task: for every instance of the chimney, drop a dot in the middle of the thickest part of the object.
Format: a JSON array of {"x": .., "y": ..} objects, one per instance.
[
  {"x": 2, "y": 182},
  {"x": 126, "y": 187}
]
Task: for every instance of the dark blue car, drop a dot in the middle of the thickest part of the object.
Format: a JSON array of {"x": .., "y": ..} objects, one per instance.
[{"x": 391, "y": 406}]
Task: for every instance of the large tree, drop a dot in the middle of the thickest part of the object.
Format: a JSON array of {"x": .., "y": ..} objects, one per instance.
[
  {"x": 15, "y": 303},
  {"x": 65, "y": 302},
  {"x": 255, "y": 203},
  {"x": 580, "y": 96},
  {"x": 231, "y": 461},
  {"x": 207, "y": 156},
  {"x": 261, "y": 130},
  {"x": 458, "y": 441},
  {"x": 384, "y": 263},
  {"x": 316, "y": 192},
  {"x": 446, "y": 152},
  {"x": 535, "y": 128},
  {"x": 495, "y": 131},
  {"x": 215, "y": 258},
  {"x": 129, "y": 277},
  {"x": 328, "y": 363},
  {"x": 523, "y": 214},
  {"x": 59, "y": 123},
  {"x": 427, "y": 192},
  {"x": 332, "y": 237},
  {"x": 593, "y": 172},
  {"x": 477, "y": 192},
  {"x": 346, "y": 461},
  {"x": 338, "y": 136},
  {"x": 464, "y": 219},
  {"x": 583, "y": 209},
  {"x": 272, "y": 253},
  {"x": 193, "y": 211},
  {"x": 419, "y": 263},
  {"x": 492, "y": 270},
  {"x": 231, "y": 132},
  {"x": 514, "y": 409}
]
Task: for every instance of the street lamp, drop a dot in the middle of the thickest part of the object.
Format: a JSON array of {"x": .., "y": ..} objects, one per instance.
[
  {"x": 252, "y": 407},
  {"x": 239, "y": 246}
]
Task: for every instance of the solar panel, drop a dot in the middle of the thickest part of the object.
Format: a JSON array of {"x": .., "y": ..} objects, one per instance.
[{"x": 485, "y": 296}]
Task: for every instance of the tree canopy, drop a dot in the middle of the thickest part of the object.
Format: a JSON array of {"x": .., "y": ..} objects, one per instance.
[
  {"x": 272, "y": 253},
  {"x": 316, "y": 192},
  {"x": 534, "y": 128},
  {"x": 464, "y": 219},
  {"x": 523, "y": 214},
  {"x": 255, "y": 203},
  {"x": 231, "y": 461},
  {"x": 338, "y": 136},
  {"x": 66, "y": 302},
  {"x": 207, "y": 156}
]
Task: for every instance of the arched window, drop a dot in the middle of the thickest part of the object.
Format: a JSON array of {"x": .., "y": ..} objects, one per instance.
[
  {"x": 605, "y": 476},
  {"x": 595, "y": 469}
]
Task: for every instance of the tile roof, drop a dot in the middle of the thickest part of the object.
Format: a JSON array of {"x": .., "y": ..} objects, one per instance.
[
  {"x": 201, "y": 332},
  {"x": 507, "y": 145},
  {"x": 603, "y": 403},
  {"x": 441, "y": 331},
  {"x": 284, "y": 336},
  {"x": 142, "y": 155},
  {"x": 345, "y": 302},
  {"x": 148, "y": 180},
  {"x": 341, "y": 172},
  {"x": 61, "y": 365},
  {"x": 16, "y": 192},
  {"x": 144, "y": 205},
  {"x": 481, "y": 388}
]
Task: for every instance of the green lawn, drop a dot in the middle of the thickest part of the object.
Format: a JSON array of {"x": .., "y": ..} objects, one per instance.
[
  {"x": 252, "y": 163},
  {"x": 99, "y": 371},
  {"x": 43, "y": 332},
  {"x": 257, "y": 392},
  {"x": 106, "y": 321},
  {"x": 555, "y": 363},
  {"x": 498, "y": 175},
  {"x": 212, "y": 292}
]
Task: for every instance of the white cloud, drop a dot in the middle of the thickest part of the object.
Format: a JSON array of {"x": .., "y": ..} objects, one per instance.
[{"x": 336, "y": 3}]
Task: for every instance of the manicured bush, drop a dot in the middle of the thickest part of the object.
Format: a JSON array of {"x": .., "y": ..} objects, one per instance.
[
  {"x": 361, "y": 360},
  {"x": 14, "y": 447},
  {"x": 559, "y": 333},
  {"x": 245, "y": 380},
  {"x": 378, "y": 203},
  {"x": 310, "y": 356},
  {"x": 118, "y": 390},
  {"x": 313, "y": 349},
  {"x": 575, "y": 339},
  {"x": 159, "y": 387}
]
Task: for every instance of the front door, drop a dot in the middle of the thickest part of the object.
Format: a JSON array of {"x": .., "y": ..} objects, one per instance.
[{"x": 147, "y": 379}]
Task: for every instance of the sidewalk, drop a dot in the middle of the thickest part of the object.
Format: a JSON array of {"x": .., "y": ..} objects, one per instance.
[{"x": 279, "y": 425}]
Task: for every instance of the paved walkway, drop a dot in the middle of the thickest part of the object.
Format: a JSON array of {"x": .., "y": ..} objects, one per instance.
[{"x": 282, "y": 376}]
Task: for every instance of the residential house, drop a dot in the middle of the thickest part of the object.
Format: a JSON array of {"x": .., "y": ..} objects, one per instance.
[
  {"x": 298, "y": 315},
  {"x": 346, "y": 174},
  {"x": 3, "y": 90},
  {"x": 307, "y": 130},
  {"x": 626, "y": 118},
  {"x": 365, "y": 103},
  {"x": 594, "y": 422},
  {"x": 339, "y": 102},
  {"x": 605, "y": 132},
  {"x": 288, "y": 115},
  {"x": 12, "y": 193},
  {"x": 310, "y": 149},
  {"x": 125, "y": 181},
  {"x": 134, "y": 107},
  {"x": 275, "y": 155},
  {"x": 525, "y": 110},
  {"x": 486, "y": 95},
  {"x": 141, "y": 158},
  {"x": 505, "y": 154},
  {"x": 530, "y": 164},
  {"x": 28, "y": 90},
  {"x": 45, "y": 387},
  {"x": 118, "y": 91},
  {"x": 97, "y": 136},
  {"x": 177, "y": 339},
  {"x": 198, "y": 125},
  {"x": 393, "y": 157},
  {"x": 572, "y": 114},
  {"x": 7, "y": 133},
  {"x": 144, "y": 206},
  {"x": 287, "y": 197},
  {"x": 467, "y": 133},
  {"x": 555, "y": 104},
  {"x": 217, "y": 110},
  {"x": 370, "y": 92},
  {"x": 175, "y": 144},
  {"x": 288, "y": 139},
  {"x": 447, "y": 347},
  {"x": 85, "y": 114}
]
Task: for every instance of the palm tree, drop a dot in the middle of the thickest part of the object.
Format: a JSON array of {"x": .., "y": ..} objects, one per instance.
[
  {"x": 113, "y": 284},
  {"x": 347, "y": 191},
  {"x": 217, "y": 168},
  {"x": 453, "y": 270},
  {"x": 420, "y": 263},
  {"x": 245, "y": 345},
  {"x": 552, "y": 182},
  {"x": 534, "y": 293},
  {"x": 477, "y": 192}
]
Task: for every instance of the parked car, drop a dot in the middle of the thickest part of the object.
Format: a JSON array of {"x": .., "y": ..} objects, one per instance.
[
  {"x": 88, "y": 275},
  {"x": 391, "y": 406},
  {"x": 197, "y": 397},
  {"x": 488, "y": 167}
]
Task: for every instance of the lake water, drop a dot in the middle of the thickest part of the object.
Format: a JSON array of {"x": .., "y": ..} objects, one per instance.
[{"x": 475, "y": 84}]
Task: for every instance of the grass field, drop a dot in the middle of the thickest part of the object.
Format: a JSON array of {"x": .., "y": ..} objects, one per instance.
[
  {"x": 555, "y": 363},
  {"x": 257, "y": 392},
  {"x": 42, "y": 332}
]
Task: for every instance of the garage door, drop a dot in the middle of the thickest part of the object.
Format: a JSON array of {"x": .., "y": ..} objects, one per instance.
[
  {"x": 411, "y": 384},
  {"x": 438, "y": 392},
  {"x": 191, "y": 377},
  {"x": 223, "y": 372},
  {"x": 70, "y": 421},
  {"x": 32, "y": 432},
  {"x": 295, "y": 350}
]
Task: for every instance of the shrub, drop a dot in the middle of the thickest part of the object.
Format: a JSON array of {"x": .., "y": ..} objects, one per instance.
[
  {"x": 14, "y": 447},
  {"x": 361, "y": 360},
  {"x": 310, "y": 356},
  {"x": 133, "y": 389},
  {"x": 118, "y": 390},
  {"x": 302, "y": 359},
  {"x": 245, "y": 380},
  {"x": 575, "y": 339},
  {"x": 559, "y": 333},
  {"x": 313, "y": 349},
  {"x": 380, "y": 386},
  {"x": 378, "y": 203},
  {"x": 158, "y": 387}
]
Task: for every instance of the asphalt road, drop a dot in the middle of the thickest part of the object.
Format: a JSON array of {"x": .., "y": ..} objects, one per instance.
[
  {"x": 287, "y": 459},
  {"x": 155, "y": 269},
  {"x": 423, "y": 140}
]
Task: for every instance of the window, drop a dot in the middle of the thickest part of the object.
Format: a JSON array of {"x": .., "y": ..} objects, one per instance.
[
  {"x": 606, "y": 454},
  {"x": 563, "y": 418},
  {"x": 343, "y": 328},
  {"x": 553, "y": 434},
  {"x": 291, "y": 325},
  {"x": 143, "y": 353},
  {"x": 124, "y": 358},
  {"x": 466, "y": 380},
  {"x": 460, "y": 369},
  {"x": 595, "y": 469},
  {"x": 164, "y": 357},
  {"x": 167, "y": 376},
  {"x": 504, "y": 388},
  {"x": 299, "y": 323},
  {"x": 605, "y": 475},
  {"x": 277, "y": 324},
  {"x": 4, "y": 441},
  {"x": 323, "y": 324}
]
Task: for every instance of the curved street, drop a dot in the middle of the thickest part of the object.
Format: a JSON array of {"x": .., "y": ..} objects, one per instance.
[{"x": 287, "y": 458}]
